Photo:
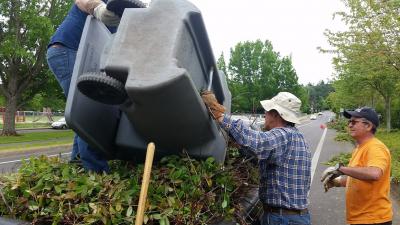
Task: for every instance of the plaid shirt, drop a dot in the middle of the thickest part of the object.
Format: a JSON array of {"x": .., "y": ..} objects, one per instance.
[{"x": 284, "y": 162}]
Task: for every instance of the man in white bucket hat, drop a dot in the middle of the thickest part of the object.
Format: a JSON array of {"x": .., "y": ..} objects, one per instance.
[{"x": 283, "y": 154}]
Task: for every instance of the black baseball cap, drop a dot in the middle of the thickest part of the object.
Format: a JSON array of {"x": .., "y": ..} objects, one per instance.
[{"x": 364, "y": 112}]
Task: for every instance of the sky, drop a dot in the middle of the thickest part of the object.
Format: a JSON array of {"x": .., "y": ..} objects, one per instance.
[{"x": 294, "y": 27}]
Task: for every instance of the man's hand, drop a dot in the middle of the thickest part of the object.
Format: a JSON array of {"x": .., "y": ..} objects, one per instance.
[
  {"x": 212, "y": 104},
  {"x": 98, "y": 9},
  {"x": 331, "y": 177},
  {"x": 330, "y": 182}
]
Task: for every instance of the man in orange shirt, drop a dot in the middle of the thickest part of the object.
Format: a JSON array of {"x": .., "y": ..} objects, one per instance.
[{"x": 367, "y": 177}]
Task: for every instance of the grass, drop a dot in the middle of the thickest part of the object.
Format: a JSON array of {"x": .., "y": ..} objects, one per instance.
[
  {"x": 37, "y": 136},
  {"x": 36, "y": 140},
  {"x": 392, "y": 141}
]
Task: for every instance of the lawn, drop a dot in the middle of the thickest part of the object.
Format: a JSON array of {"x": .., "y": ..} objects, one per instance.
[
  {"x": 36, "y": 140},
  {"x": 392, "y": 141}
]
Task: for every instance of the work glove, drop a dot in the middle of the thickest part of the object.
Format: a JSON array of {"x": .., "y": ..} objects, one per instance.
[
  {"x": 217, "y": 110},
  {"x": 329, "y": 176},
  {"x": 98, "y": 9},
  {"x": 330, "y": 183},
  {"x": 106, "y": 16}
]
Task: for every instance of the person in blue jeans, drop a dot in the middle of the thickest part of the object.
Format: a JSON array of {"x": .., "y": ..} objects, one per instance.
[
  {"x": 283, "y": 155},
  {"x": 61, "y": 54}
]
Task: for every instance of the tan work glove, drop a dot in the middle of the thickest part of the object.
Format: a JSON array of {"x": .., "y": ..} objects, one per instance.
[
  {"x": 212, "y": 104},
  {"x": 98, "y": 9}
]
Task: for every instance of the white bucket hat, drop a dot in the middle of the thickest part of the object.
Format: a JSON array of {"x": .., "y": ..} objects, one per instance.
[{"x": 287, "y": 105}]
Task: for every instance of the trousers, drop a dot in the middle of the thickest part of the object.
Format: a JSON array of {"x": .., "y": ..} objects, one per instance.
[{"x": 61, "y": 62}]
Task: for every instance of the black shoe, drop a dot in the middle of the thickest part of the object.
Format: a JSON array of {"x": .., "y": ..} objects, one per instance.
[{"x": 118, "y": 6}]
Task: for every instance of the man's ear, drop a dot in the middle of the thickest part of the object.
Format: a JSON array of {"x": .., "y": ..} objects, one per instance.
[{"x": 369, "y": 126}]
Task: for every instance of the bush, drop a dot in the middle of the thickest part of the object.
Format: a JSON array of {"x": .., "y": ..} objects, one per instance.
[
  {"x": 182, "y": 191},
  {"x": 392, "y": 141},
  {"x": 343, "y": 158},
  {"x": 339, "y": 125},
  {"x": 341, "y": 136}
]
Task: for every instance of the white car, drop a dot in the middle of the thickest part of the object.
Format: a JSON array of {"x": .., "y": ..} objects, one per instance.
[
  {"x": 313, "y": 117},
  {"x": 60, "y": 124}
]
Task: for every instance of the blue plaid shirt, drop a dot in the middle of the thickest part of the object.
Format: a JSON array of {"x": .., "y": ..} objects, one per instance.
[{"x": 284, "y": 162}]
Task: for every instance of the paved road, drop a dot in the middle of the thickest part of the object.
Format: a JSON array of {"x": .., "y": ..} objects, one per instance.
[
  {"x": 11, "y": 162},
  {"x": 326, "y": 208}
]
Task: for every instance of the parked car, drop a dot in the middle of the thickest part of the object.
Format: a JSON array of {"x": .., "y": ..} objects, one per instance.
[
  {"x": 313, "y": 117},
  {"x": 60, "y": 124}
]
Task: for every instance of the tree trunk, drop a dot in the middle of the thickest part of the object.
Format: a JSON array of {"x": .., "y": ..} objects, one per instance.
[
  {"x": 9, "y": 117},
  {"x": 388, "y": 101}
]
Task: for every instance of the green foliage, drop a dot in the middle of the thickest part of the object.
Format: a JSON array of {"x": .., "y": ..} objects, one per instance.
[
  {"x": 392, "y": 141},
  {"x": 343, "y": 136},
  {"x": 37, "y": 136},
  {"x": 341, "y": 158},
  {"x": 257, "y": 72},
  {"x": 317, "y": 95},
  {"x": 25, "y": 30},
  {"x": 366, "y": 55},
  {"x": 181, "y": 191},
  {"x": 2, "y": 100},
  {"x": 339, "y": 125}
]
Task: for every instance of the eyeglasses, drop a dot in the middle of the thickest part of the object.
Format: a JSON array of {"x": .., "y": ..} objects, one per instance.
[{"x": 354, "y": 122}]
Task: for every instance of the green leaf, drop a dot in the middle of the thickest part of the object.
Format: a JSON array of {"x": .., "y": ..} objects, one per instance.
[
  {"x": 224, "y": 204},
  {"x": 129, "y": 211}
]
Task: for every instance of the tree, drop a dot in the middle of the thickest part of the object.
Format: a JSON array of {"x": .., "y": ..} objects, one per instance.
[
  {"x": 25, "y": 29},
  {"x": 257, "y": 72},
  {"x": 221, "y": 64},
  {"x": 370, "y": 49},
  {"x": 317, "y": 95}
]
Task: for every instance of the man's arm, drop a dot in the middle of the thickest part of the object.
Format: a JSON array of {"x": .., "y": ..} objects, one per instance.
[{"x": 363, "y": 173}]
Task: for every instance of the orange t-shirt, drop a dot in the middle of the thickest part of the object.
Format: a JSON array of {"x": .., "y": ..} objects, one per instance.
[{"x": 368, "y": 201}]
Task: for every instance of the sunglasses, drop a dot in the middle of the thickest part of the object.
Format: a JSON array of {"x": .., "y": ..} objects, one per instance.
[{"x": 354, "y": 122}]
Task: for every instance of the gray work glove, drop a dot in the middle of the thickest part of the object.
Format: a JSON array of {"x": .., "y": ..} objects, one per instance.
[
  {"x": 106, "y": 16},
  {"x": 331, "y": 177},
  {"x": 98, "y": 9}
]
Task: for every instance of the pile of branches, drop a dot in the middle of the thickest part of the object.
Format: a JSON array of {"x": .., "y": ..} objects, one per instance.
[{"x": 182, "y": 191}]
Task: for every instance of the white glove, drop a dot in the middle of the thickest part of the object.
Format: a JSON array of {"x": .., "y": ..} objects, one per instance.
[
  {"x": 333, "y": 170},
  {"x": 106, "y": 16}
]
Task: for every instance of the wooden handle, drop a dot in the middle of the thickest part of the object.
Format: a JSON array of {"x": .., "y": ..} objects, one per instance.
[{"x": 145, "y": 183}]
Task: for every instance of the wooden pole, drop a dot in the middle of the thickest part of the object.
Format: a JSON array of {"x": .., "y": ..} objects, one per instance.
[{"x": 145, "y": 183}]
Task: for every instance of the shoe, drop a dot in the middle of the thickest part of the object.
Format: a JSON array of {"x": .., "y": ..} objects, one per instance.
[{"x": 118, "y": 6}]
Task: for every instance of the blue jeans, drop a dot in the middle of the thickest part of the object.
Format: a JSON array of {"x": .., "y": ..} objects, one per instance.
[
  {"x": 61, "y": 62},
  {"x": 280, "y": 219}
]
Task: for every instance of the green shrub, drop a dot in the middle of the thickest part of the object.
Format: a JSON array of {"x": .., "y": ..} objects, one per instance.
[
  {"x": 392, "y": 141},
  {"x": 341, "y": 136},
  {"x": 341, "y": 158},
  {"x": 339, "y": 125},
  {"x": 182, "y": 191}
]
